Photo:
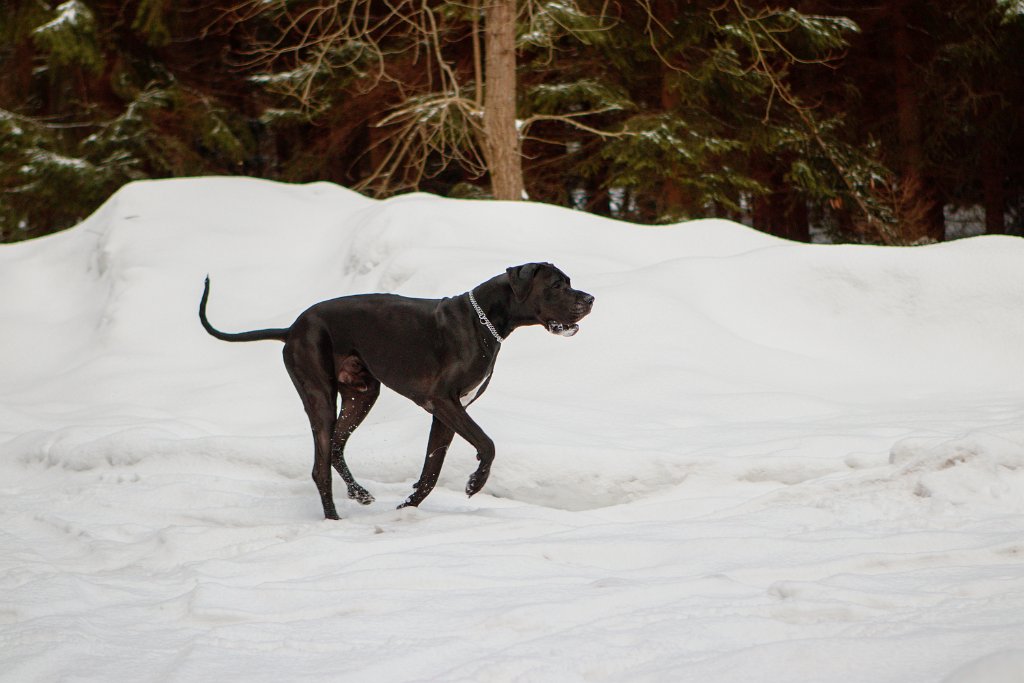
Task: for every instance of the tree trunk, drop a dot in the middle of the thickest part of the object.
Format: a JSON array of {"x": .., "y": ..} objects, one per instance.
[
  {"x": 672, "y": 197},
  {"x": 501, "y": 135},
  {"x": 929, "y": 221},
  {"x": 16, "y": 86},
  {"x": 993, "y": 189},
  {"x": 798, "y": 220},
  {"x": 782, "y": 211},
  {"x": 761, "y": 214}
]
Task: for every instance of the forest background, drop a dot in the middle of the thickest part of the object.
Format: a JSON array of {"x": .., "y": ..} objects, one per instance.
[{"x": 896, "y": 122}]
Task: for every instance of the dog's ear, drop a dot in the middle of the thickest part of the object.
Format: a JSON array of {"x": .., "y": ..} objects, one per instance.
[{"x": 521, "y": 279}]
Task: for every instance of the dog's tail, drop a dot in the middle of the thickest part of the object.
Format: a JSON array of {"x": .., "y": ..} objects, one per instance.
[{"x": 254, "y": 335}]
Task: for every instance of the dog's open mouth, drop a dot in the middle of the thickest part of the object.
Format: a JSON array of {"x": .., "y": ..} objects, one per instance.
[{"x": 555, "y": 327}]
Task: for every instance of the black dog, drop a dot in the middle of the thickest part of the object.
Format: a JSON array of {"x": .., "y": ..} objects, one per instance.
[{"x": 437, "y": 352}]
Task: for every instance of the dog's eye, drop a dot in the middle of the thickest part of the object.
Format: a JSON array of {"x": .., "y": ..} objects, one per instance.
[{"x": 557, "y": 284}]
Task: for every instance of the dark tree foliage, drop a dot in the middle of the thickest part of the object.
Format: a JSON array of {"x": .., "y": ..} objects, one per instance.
[
  {"x": 708, "y": 119},
  {"x": 935, "y": 90},
  {"x": 874, "y": 122},
  {"x": 95, "y": 93}
]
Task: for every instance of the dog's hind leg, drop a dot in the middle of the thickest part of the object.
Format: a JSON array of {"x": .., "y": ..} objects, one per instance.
[
  {"x": 314, "y": 381},
  {"x": 441, "y": 436},
  {"x": 355, "y": 405}
]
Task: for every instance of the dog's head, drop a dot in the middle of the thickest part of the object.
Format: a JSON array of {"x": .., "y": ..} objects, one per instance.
[{"x": 545, "y": 293}]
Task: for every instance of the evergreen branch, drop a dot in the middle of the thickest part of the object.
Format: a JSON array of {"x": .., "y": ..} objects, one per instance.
[
  {"x": 41, "y": 121},
  {"x": 783, "y": 91}
]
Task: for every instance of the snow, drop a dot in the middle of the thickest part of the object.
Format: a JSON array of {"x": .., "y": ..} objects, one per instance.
[
  {"x": 45, "y": 158},
  {"x": 757, "y": 461},
  {"x": 71, "y": 13}
]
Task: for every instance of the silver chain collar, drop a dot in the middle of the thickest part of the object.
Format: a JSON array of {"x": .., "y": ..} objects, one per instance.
[{"x": 483, "y": 317}]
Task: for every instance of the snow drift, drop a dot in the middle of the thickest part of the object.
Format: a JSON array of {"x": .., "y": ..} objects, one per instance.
[{"x": 758, "y": 460}]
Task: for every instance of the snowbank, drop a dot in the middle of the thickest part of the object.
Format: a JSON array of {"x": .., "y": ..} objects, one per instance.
[{"x": 759, "y": 460}]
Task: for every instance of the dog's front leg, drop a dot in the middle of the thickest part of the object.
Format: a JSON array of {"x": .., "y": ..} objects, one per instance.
[
  {"x": 437, "y": 446},
  {"x": 455, "y": 416}
]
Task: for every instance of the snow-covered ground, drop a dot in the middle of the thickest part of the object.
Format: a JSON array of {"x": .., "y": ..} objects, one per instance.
[{"x": 758, "y": 461}]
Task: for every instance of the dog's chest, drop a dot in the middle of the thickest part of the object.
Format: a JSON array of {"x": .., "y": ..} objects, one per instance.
[
  {"x": 477, "y": 387},
  {"x": 474, "y": 392}
]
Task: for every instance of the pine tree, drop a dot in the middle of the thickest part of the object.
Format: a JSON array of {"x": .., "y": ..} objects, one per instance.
[
  {"x": 90, "y": 102},
  {"x": 929, "y": 91},
  {"x": 651, "y": 111},
  {"x": 708, "y": 117}
]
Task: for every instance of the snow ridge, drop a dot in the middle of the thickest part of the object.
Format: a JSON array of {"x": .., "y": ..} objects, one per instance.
[{"x": 751, "y": 446}]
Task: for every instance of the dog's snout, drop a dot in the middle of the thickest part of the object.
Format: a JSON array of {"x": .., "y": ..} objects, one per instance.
[{"x": 583, "y": 305}]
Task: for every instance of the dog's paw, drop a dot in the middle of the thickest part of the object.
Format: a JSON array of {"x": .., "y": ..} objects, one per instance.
[
  {"x": 476, "y": 482},
  {"x": 360, "y": 495}
]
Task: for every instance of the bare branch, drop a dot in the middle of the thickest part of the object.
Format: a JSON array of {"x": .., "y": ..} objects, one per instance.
[{"x": 571, "y": 119}]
